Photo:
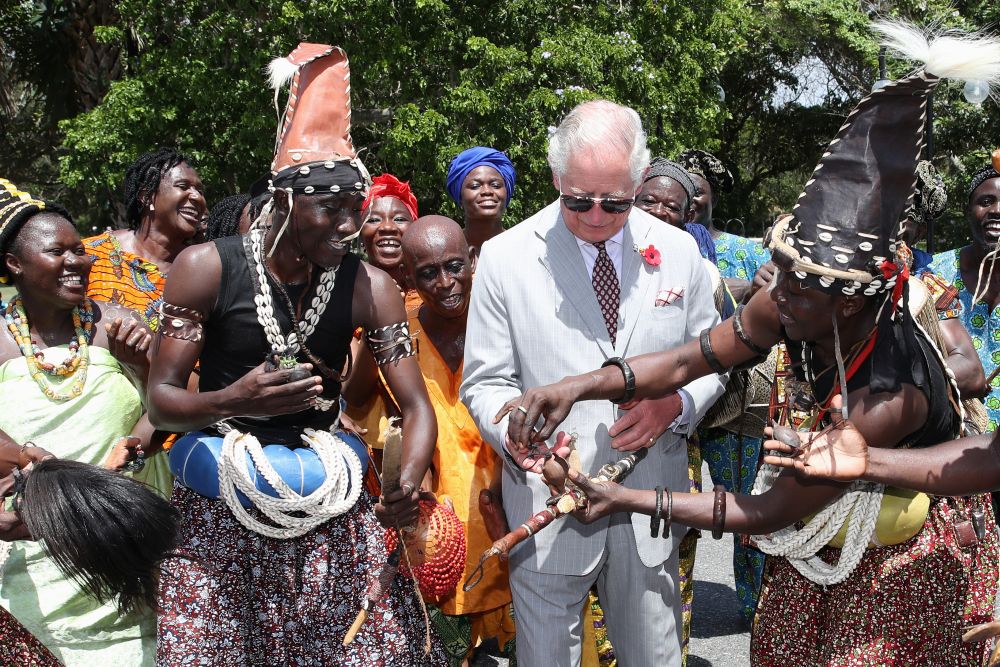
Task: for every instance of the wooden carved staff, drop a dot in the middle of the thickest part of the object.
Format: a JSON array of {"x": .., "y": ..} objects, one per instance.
[
  {"x": 557, "y": 506},
  {"x": 392, "y": 461}
]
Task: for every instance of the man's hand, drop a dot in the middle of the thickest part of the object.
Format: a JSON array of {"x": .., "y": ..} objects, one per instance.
[
  {"x": 267, "y": 393},
  {"x": 603, "y": 498},
  {"x": 551, "y": 402},
  {"x": 644, "y": 422},
  {"x": 533, "y": 458},
  {"x": 840, "y": 454}
]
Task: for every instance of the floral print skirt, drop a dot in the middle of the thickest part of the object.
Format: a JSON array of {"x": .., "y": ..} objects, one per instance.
[
  {"x": 20, "y": 647},
  {"x": 904, "y": 605},
  {"x": 233, "y": 597}
]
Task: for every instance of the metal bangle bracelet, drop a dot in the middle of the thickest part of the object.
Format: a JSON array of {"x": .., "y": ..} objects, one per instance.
[
  {"x": 719, "y": 512},
  {"x": 742, "y": 334},
  {"x": 654, "y": 521},
  {"x": 627, "y": 374},
  {"x": 669, "y": 518},
  {"x": 706, "y": 350}
]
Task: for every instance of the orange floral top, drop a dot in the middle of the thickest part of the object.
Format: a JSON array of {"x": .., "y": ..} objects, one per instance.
[{"x": 128, "y": 280}]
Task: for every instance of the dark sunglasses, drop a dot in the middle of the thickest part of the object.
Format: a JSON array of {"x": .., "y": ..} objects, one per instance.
[{"x": 584, "y": 204}]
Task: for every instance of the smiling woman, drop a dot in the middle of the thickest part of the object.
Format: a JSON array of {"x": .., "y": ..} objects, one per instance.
[
  {"x": 63, "y": 363},
  {"x": 166, "y": 212},
  {"x": 481, "y": 181}
]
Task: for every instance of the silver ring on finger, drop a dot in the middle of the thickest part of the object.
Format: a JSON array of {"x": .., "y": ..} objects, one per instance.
[
  {"x": 652, "y": 440},
  {"x": 523, "y": 409}
]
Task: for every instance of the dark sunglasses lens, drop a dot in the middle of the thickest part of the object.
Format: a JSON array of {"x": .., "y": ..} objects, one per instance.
[
  {"x": 578, "y": 204},
  {"x": 615, "y": 205}
]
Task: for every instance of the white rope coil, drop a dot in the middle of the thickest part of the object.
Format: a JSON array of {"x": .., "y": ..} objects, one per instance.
[
  {"x": 859, "y": 506},
  {"x": 336, "y": 495}
]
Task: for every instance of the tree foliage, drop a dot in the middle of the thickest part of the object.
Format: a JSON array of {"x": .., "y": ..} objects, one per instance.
[{"x": 455, "y": 74}]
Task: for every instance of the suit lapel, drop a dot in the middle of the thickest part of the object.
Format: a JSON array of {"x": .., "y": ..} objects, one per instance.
[
  {"x": 636, "y": 279},
  {"x": 564, "y": 261}
]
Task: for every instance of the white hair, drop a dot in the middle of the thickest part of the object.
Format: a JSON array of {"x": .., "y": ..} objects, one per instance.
[{"x": 597, "y": 126}]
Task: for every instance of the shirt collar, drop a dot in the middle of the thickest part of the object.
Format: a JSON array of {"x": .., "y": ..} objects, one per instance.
[{"x": 618, "y": 238}]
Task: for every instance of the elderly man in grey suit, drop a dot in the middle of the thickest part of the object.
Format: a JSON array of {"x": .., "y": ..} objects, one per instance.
[{"x": 586, "y": 279}]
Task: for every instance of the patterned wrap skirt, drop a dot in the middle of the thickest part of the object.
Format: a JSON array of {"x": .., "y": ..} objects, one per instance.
[
  {"x": 234, "y": 597},
  {"x": 20, "y": 647},
  {"x": 904, "y": 605}
]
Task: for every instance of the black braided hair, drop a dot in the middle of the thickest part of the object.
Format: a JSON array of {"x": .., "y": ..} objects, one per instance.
[
  {"x": 143, "y": 178},
  {"x": 224, "y": 218},
  {"x": 107, "y": 532}
]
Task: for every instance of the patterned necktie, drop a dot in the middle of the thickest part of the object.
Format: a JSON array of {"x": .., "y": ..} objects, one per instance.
[{"x": 606, "y": 288}]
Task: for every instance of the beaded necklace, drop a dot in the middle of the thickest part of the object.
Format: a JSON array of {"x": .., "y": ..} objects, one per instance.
[{"x": 74, "y": 365}]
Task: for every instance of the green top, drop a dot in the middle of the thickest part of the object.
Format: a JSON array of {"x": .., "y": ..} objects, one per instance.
[{"x": 71, "y": 624}]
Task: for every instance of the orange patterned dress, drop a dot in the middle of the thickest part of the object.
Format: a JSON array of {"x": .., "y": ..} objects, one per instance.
[{"x": 128, "y": 280}]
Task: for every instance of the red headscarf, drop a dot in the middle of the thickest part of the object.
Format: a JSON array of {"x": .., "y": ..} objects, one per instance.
[{"x": 387, "y": 185}]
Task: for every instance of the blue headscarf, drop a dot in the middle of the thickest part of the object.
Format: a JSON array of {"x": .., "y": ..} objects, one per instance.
[
  {"x": 474, "y": 157},
  {"x": 703, "y": 237}
]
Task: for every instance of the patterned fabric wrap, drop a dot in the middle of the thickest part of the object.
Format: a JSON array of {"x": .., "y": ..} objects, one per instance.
[
  {"x": 739, "y": 257},
  {"x": 983, "y": 174},
  {"x": 703, "y": 237},
  {"x": 982, "y": 324},
  {"x": 128, "y": 280},
  {"x": 906, "y": 604},
  {"x": 728, "y": 457},
  {"x": 688, "y": 550},
  {"x": 930, "y": 197},
  {"x": 238, "y": 598},
  {"x": 20, "y": 647}
]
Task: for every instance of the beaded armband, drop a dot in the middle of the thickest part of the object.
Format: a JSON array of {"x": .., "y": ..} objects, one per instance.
[
  {"x": 742, "y": 334},
  {"x": 181, "y": 323},
  {"x": 391, "y": 343}
]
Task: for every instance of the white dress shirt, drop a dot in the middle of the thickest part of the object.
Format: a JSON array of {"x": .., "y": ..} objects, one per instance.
[{"x": 615, "y": 251}]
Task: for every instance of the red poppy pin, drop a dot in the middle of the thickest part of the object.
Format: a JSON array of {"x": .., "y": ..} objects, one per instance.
[{"x": 649, "y": 254}]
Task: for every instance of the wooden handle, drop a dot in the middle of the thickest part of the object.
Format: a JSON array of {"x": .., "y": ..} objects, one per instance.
[
  {"x": 392, "y": 457},
  {"x": 352, "y": 632}
]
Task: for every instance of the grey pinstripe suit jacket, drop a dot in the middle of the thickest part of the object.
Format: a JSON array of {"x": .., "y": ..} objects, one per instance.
[{"x": 534, "y": 319}]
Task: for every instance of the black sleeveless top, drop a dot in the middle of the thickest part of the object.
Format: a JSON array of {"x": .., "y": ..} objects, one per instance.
[
  {"x": 235, "y": 342},
  {"x": 926, "y": 374}
]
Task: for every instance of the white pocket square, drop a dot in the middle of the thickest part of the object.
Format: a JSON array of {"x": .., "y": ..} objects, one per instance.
[{"x": 668, "y": 296}]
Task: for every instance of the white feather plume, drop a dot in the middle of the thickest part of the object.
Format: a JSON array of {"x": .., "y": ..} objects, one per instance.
[
  {"x": 280, "y": 71},
  {"x": 946, "y": 55}
]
